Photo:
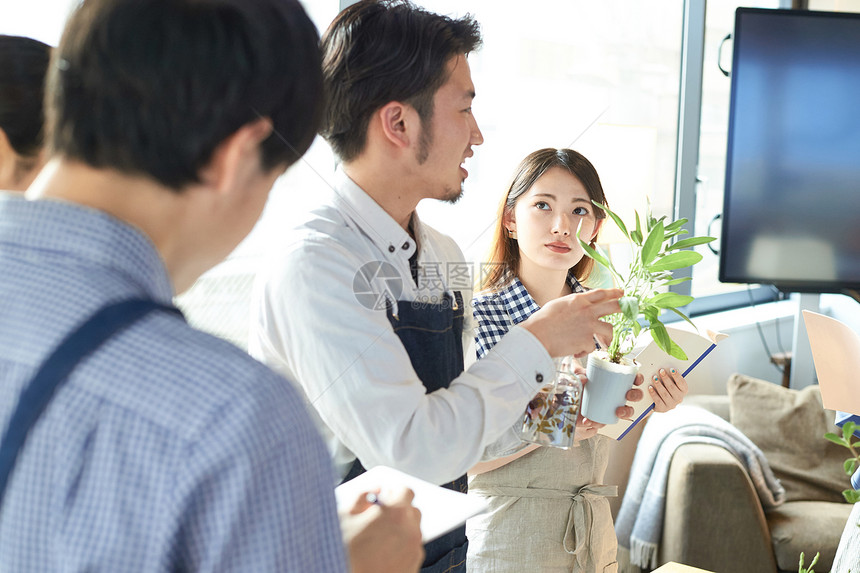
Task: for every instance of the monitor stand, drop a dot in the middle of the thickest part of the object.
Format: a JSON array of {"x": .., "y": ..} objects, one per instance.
[{"x": 802, "y": 365}]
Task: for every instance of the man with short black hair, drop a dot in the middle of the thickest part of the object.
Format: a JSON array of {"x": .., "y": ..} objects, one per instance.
[
  {"x": 132, "y": 442},
  {"x": 374, "y": 329}
]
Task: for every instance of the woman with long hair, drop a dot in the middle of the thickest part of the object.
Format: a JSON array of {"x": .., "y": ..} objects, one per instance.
[{"x": 549, "y": 507}]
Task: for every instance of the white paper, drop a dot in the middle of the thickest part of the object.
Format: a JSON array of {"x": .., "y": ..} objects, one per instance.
[
  {"x": 441, "y": 509},
  {"x": 836, "y": 353}
]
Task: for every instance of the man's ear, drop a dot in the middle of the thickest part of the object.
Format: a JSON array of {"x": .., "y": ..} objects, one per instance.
[
  {"x": 237, "y": 156},
  {"x": 396, "y": 121}
]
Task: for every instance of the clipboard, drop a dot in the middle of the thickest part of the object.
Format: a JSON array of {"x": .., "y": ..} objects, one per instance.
[{"x": 442, "y": 510}]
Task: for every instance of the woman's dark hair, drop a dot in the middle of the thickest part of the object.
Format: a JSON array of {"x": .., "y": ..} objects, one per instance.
[
  {"x": 23, "y": 65},
  {"x": 378, "y": 51},
  {"x": 152, "y": 87},
  {"x": 503, "y": 261}
]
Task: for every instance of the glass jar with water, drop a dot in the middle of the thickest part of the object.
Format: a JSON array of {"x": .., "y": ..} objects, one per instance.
[{"x": 550, "y": 417}]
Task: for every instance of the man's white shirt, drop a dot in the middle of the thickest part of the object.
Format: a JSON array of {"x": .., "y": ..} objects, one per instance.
[{"x": 318, "y": 315}]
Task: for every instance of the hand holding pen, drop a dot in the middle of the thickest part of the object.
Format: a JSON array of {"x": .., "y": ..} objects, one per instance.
[{"x": 383, "y": 537}]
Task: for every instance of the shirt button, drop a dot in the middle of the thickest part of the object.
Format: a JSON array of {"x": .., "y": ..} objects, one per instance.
[
  {"x": 405, "y": 246},
  {"x": 539, "y": 377},
  {"x": 391, "y": 248}
]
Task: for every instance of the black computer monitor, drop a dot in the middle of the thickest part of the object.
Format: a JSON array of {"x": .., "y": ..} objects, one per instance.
[{"x": 791, "y": 214}]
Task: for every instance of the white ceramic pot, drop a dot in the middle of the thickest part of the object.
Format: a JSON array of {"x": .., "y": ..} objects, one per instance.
[{"x": 607, "y": 387}]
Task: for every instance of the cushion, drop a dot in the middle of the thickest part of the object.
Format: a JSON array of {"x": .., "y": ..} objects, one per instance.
[
  {"x": 714, "y": 403},
  {"x": 807, "y": 526},
  {"x": 789, "y": 427}
]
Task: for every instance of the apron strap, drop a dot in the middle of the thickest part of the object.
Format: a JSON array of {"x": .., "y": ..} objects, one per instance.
[
  {"x": 580, "y": 520},
  {"x": 36, "y": 395}
]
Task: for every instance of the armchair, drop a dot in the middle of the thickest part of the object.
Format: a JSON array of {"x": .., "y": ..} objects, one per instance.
[{"x": 713, "y": 518}]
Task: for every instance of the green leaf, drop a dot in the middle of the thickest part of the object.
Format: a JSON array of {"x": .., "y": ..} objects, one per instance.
[
  {"x": 848, "y": 430},
  {"x": 676, "y": 351},
  {"x": 838, "y": 440},
  {"x": 600, "y": 259},
  {"x": 652, "y": 221},
  {"x": 691, "y": 242},
  {"x": 661, "y": 337},
  {"x": 851, "y": 495},
  {"x": 684, "y": 316},
  {"x": 650, "y": 312},
  {"x": 814, "y": 559},
  {"x": 615, "y": 218},
  {"x": 675, "y": 261},
  {"x": 637, "y": 328},
  {"x": 653, "y": 243},
  {"x": 670, "y": 300},
  {"x": 636, "y": 237},
  {"x": 629, "y": 307},
  {"x": 802, "y": 569},
  {"x": 638, "y": 231},
  {"x": 677, "y": 281},
  {"x": 676, "y": 225},
  {"x": 850, "y": 466}
]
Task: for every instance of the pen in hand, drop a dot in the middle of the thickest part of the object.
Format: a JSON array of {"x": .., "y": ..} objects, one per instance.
[{"x": 373, "y": 498}]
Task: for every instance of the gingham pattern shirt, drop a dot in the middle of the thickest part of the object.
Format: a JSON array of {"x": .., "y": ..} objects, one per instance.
[
  {"x": 167, "y": 449},
  {"x": 496, "y": 312}
]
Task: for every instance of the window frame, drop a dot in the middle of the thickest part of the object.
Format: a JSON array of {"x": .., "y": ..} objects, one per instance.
[{"x": 687, "y": 160}]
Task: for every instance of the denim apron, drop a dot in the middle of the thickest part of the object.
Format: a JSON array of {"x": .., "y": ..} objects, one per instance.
[
  {"x": 84, "y": 340},
  {"x": 432, "y": 336}
]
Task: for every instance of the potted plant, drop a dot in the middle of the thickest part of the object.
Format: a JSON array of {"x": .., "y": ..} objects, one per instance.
[
  {"x": 851, "y": 464},
  {"x": 851, "y": 495},
  {"x": 655, "y": 254}
]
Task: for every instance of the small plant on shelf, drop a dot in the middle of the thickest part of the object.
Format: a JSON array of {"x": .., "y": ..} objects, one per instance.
[
  {"x": 802, "y": 569},
  {"x": 851, "y": 464}
]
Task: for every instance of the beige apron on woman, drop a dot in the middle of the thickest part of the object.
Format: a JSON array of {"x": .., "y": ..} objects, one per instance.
[{"x": 548, "y": 512}]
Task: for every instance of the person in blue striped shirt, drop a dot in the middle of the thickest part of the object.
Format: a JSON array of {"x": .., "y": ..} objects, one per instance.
[{"x": 164, "y": 448}]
